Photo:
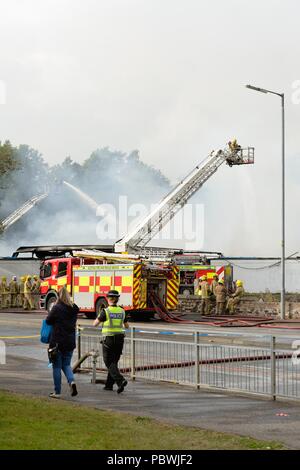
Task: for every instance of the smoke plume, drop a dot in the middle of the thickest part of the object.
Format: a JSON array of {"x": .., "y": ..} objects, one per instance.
[{"x": 69, "y": 214}]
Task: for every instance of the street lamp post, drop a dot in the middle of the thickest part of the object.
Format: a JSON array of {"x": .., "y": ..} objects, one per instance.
[{"x": 281, "y": 95}]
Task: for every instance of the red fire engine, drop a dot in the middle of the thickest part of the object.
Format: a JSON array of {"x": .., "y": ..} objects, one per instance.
[
  {"x": 89, "y": 279},
  {"x": 194, "y": 265}
]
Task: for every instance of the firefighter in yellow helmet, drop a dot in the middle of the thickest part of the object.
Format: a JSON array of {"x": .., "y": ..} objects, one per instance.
[
  {"x": 21, "y": 297},
  {"x": 13, "y": 291},
  {"x": 233, "y": 145},
  {"x": 221, "y": 294},
  {"x": 36, "y": 291},
  {"x": 205, "y": 295},
  {"x": 234, "y": 148},
  {"x": 236, "y": 296},
  {"x": 28, "y": 304},
  {"x": 214, "y": 283},
  {"x": 213, "y": 291},
  {"x": 196, "y": 286},
  {"x": 4, "y": 293}
]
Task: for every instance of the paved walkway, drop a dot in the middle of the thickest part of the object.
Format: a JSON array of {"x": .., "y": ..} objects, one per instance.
[
  {"x": 26, "y": 372},
  {"x": 175, "y": 404}
]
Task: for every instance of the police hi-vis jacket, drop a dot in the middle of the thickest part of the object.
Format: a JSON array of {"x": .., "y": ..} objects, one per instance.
[{"x": 113, "y": 325}]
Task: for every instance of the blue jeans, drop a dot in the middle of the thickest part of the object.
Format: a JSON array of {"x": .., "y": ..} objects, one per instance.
[{"x": 62, "y": 363}]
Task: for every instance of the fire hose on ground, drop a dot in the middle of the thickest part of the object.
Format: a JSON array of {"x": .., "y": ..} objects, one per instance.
[{"x": 169, "y": 317}]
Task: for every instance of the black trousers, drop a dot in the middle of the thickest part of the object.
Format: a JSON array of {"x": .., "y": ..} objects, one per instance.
[{"x": 112, "y": 349}]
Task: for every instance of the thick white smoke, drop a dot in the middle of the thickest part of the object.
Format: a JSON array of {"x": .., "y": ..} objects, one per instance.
[{"x": 81, "y": 198}]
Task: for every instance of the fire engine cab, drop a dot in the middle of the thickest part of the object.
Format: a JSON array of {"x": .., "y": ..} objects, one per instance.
[
  {"x": 193, "y": 265},
  {"x": 89, "y": 277}
]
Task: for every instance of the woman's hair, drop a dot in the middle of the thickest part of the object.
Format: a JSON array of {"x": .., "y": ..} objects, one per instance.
[{"x": 64, "y": 297}]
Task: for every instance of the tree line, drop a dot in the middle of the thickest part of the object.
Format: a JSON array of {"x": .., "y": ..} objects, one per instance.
[{"x": 104, "y": 175}]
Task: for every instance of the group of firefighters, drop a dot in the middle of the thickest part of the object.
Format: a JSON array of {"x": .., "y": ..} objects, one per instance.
[
  {"x": 26, "y": 294},
  {"x": 215, "y": 294},
  {"x": 23, "y": 294}
]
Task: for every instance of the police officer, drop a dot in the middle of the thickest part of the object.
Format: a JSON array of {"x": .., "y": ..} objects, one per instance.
[{"x": 113, "y": 319}]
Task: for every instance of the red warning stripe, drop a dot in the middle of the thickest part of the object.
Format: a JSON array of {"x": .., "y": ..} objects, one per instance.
[
  {"x": 84, "y": 288},
  {"x": 126, "y": 289}
]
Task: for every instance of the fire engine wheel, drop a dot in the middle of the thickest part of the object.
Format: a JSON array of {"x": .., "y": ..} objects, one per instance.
[{"x": 50, "y": 303}]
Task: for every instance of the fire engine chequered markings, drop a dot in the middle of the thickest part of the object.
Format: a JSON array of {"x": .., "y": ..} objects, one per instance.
[{"x": 134, "y": 281}]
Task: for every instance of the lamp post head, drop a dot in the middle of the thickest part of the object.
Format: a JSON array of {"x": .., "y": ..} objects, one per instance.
[{"x": 262, "y": 90}]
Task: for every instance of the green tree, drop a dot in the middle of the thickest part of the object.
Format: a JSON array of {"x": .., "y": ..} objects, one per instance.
[
  {"x": 24, "y": 175},
  {"x": 8, "y": 162},
  {"x": 67, "y": 170}
]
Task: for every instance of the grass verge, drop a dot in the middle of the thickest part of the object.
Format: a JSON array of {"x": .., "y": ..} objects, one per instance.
[{"x": 40, "y": 423}]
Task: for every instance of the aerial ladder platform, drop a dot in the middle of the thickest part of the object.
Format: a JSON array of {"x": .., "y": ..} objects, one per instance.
[
  {"x": 18, "y": 213},
  {"x": 135, "y": 241}
]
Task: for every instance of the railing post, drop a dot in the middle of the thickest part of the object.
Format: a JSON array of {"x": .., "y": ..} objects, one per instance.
[
  {"x": 197, "y": 370},
  {"x": 132, "y": 350},
  {"x": 273, "y": 366},
  {"x": 79, "y": 342},
  {"x": 94, "y": 368}
]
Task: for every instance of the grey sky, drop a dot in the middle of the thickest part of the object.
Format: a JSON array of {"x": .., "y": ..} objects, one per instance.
[{"x": 166, "y": 77}]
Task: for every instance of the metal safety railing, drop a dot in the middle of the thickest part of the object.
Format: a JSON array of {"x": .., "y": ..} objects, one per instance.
[{"x": 259, "y": 364}]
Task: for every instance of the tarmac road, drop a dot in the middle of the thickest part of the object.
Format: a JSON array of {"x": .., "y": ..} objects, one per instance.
[{"x": 26, "y": 371}]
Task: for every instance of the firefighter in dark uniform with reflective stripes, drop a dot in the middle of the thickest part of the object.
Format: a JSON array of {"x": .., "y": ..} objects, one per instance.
[{"x": 113, "y": 319}]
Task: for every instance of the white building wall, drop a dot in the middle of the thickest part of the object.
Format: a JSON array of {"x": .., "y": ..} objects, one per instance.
[
  {"x": 19, "y": 267},
  {"x": 264, "y": 275}
]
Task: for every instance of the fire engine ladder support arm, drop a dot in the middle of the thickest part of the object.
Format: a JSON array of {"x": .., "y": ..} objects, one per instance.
[
  {"x": 178, "y": 197},
  {"x": 18, "y": 213}
]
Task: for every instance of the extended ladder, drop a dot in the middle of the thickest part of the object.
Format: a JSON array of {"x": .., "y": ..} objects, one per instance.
[
  {"x": 136, "y": 239},
  {"x": 18, "y": 213}
]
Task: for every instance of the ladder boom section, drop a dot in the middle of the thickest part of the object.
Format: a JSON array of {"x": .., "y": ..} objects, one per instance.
[
  {"x": 178, "y": 197},
  {"x": 18, "y": 213}
]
